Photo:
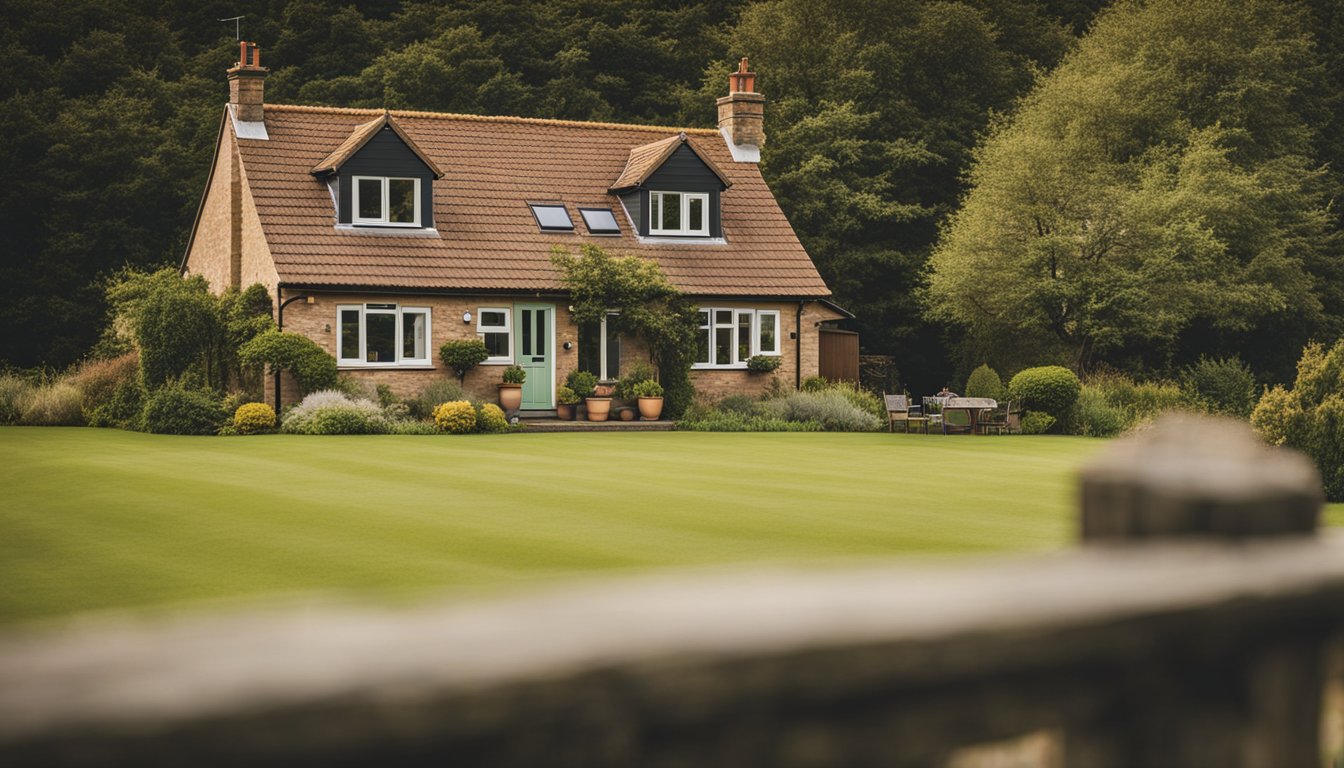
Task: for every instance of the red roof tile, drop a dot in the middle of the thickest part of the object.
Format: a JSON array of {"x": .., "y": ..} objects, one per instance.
[{"x": 487, "y": 238}]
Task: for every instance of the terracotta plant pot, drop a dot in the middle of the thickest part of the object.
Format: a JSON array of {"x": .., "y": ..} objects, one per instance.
[
  {"x": 564, "y": 412},
  {"x": 599, "y": 408},
  {"x": 510, "y": 396},
  {"x": 627, "y": 414},
  {"x": 650, "y": 408}
]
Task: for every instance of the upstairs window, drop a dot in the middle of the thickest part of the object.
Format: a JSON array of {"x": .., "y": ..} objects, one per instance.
[
  {"x": 679, "y": 213},
  {"x": 728, "y": 337},
  {"x": 552, "y": 217},
  {"x": 383, "y": 335},
  {"x": 388, "y": 202}
]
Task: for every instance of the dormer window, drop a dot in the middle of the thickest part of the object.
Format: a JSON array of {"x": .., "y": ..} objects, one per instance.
[
  {"x": 386, "y": 201},
  {"x": 679, "y": 213}
]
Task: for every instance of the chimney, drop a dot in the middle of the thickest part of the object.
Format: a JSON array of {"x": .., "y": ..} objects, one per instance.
[
  {"x": 247, "y": 81},
  {"x": 742, "y": 111}
]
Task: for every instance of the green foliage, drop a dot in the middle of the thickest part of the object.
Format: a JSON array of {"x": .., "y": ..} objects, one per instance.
[
  {"x": 1132, "y": 206},
  {"x": 98, "y": 381},
  {"x": 833, "y": 409},
  {"x": 1224, "y": 386},
  {"x": 490, "y": 419},
  {"x": 173, "y": 321},
  {"x": 458, "y": 418},
  {"x": 421, "y": 407},
  {"x": 581, "y": 382},
  {"x": 514, "y": 374},
  {"x": 1036, "y": 423},
  {"x": 313, "y": 369},
  {"x": 815, "y": 384},
  {"x": 1093, "y": 416},
  {"x": 1310, "y": 416},
  {"x": 646, "y": 388},
  {"x": 15, "y": 392},
  {"x": 763, "y": 363},
  {"x": 175, "y": 409},
  {"x": 330, "y": 412},
  {"x": 462, "y": 355},
  {"x": 564, "y": 395},
  {"x": 648, "y": 306},
  {"x": 1050, "y": 389},
  {"x": 728, "y": 421},
  {"x": 634, "y": 374},
  {"x": 253, "y": 418},
  {"x": 985, "y": 382},
  {"x": 54, "y": 404}
]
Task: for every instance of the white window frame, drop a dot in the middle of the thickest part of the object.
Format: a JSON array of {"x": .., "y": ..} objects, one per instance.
[
  {"x": 602, "y": 363},
  {"x": 655, "y": 214},
  {"x": 386, "y": 197},
  {"x": 755, "y": 349},
  {"x": 399, "y": 312},
  {"x": 508, "y": 329}
]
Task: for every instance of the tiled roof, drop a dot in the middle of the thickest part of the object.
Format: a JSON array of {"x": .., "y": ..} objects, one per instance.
[
  {"x": 646, "y": 159},
  {"x": 333, "y": 162},
  {"x": 487, "y": 238}
]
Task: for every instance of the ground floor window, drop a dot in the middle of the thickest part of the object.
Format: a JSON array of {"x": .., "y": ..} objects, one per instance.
[
  {"x": 729, "y": 336},
  {"x": 383, "y": 334},
  {"x": 600, "y": 348},
  {"x": 495, "y": 328}
]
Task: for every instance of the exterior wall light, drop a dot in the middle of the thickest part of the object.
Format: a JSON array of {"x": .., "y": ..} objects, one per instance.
[{"x": 466, "y": 316}]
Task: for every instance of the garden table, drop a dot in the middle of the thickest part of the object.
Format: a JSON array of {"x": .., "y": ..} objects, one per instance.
[{"x": 973, "y": 406}]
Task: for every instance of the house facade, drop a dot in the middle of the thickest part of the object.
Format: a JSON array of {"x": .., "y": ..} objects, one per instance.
[{"x": 381, "y": 235}]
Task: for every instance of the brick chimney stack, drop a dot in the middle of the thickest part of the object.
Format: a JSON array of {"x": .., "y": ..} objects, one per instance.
[
  {"x": 247, "y": 80},
  {"x": 742, "y": 111}
]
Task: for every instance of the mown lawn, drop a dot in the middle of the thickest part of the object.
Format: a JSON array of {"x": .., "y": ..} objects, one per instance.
[{"x": 95, "y": 519}]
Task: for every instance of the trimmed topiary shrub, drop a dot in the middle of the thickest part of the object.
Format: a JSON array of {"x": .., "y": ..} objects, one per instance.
[
  {"x": 490, "y": 418},
  {"x": 1224, "y": 386},
  {"x": 514, "y": 374},
  {"x": 1049, "y": 389},
  {"x": 329, "y": 412},
  {"x": 462, "y": 355},
  {"x": 985, "y": 382},
  {"x": 254, "y": 418},
  {"x": 178, "y": 410},
  {"x": 458, "y": 418},
  {"x": 310, "y": 365}
]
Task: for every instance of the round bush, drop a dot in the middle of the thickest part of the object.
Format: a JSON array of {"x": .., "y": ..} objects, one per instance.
[
  {"x": 984, "y": 382},
  {"x": 458, "y": 417},
  {"x": 1049, "y": 389},
  {"x": 176, "y": 410},
  {"x": 252, "y": 418},
  {"x": 463, "y": 354},
  {"x": 309, "y": 364},
  {"x": 490, "y": 418}
]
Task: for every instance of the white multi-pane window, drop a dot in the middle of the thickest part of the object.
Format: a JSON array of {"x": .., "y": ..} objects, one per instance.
[
  {"x": 600, "y": 348},
  {"x": 495, "y": 328},
  {"x": 382, "y": 335},
  {"x": 386, "y": 201},
  {"x": 728, "y": 337},
  {"x": 679, "y": 213}
]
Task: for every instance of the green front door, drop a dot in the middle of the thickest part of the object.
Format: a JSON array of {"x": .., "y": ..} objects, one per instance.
[{"x": 535, "y": 330}]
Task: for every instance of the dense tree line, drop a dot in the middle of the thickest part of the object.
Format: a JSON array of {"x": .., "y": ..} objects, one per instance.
[{"x": 109, "y": 109}]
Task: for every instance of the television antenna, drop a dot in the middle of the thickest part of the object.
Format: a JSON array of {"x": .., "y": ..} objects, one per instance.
[{"x": 237, "y": 29}]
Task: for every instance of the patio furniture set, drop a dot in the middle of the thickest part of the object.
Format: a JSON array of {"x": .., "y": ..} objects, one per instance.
[{"x": 950, "y": 415}]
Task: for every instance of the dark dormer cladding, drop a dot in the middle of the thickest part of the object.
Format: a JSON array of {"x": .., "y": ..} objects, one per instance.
[
  {"x": 387, "y": 163},
  {"x": 672, "y": 165}
]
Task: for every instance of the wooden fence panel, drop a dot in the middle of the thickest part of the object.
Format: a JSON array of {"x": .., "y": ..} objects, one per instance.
[{"x": 838, "y": 356}]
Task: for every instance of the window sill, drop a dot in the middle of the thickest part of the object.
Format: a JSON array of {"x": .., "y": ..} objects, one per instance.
[
  {"x": 500, "y": 361},
  {"x": 706, "y": 367},
  {"x": 346, "y": 366},
  {"x": 387, "y": 230}
]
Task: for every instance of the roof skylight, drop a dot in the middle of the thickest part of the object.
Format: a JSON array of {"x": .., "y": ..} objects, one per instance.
[
  {"x": 600, "y": 221},
  {"x": 552, "y": 217}
]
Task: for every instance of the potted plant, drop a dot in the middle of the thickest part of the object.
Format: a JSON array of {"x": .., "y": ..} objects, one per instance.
[
  {"x": 650, "y": 394},
  {"x": 566, "y": 400},
  {"x": 511, "y": 388},
  {"x": 583, "y": 383}
]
